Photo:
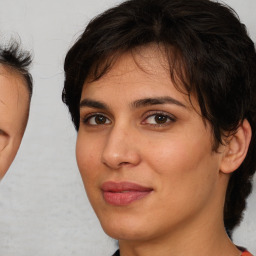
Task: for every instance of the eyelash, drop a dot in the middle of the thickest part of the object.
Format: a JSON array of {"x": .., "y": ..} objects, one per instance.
[
  {"x": 168, "y": 119},
  {"x": 87, "y": 118}
]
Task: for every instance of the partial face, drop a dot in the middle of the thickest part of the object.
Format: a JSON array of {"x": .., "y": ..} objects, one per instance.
[
  {"x": 144, "y": 153},
  {"x": 14, "y": 105}
]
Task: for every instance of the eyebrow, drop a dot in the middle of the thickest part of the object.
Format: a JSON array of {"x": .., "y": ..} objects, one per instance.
[
  {"x": 156, "y": 101},
  {"x": 136, "y": 104},
  {"x": 93, "y": 104}
]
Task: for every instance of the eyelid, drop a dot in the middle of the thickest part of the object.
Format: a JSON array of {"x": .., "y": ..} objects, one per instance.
[
  {"x": 85, "y": 118},
  {"x": 159, "y": 112}
]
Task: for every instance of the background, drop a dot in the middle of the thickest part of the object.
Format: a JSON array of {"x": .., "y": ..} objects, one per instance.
[{"x": 43, "y": 206}]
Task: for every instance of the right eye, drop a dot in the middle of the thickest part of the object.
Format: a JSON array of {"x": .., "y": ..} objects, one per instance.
[{"x": 96, "y": 119}]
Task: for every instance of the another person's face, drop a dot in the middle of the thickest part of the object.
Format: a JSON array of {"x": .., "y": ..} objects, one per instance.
[
  {"x": 14, "y": 104},
  {"x": 144, "y": 153}
]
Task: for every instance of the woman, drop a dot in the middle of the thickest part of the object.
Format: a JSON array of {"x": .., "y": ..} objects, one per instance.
[{"x": 163, "y": 96}]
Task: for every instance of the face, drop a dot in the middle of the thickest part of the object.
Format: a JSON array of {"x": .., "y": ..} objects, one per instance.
[
  {"x": 144, "y": 153},
  {"x": 14, "y": 104}
]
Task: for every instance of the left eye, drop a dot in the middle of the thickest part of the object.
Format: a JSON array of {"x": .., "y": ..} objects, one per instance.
[
  {"x": 97, "y": 120},
  {"x": 158, "y": 119}
]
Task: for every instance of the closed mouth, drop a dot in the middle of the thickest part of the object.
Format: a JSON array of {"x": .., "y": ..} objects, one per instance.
[{"x": 123, "y": 193}]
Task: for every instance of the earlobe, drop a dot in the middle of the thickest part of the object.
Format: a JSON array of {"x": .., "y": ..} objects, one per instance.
[{"x": 236, "y": 148}]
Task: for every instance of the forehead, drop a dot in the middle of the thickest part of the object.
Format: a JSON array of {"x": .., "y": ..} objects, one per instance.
[
  {"x": 141, "y": 70},
  {"x": 14, "y": 98},
  {"x": 12, "y": 84},
  {"x": 145, "y": 57},
  {"x": 153, "y": 59}
]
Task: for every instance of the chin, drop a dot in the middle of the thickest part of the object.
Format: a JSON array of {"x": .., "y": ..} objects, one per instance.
[
  {"x": 124, "y": 234},
  {"x": 125, "y": 228}
]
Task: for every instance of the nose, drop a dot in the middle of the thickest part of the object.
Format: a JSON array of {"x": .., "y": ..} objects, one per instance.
[{"x": 121, "y": 148}]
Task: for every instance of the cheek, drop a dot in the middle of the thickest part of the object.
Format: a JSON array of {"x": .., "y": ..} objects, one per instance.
[
  {"x": 183, "y": 161},
  {"x": 88, "y": 157},
  {"x": 175, "y": 153},
  {"x": 186, "y": 178}
]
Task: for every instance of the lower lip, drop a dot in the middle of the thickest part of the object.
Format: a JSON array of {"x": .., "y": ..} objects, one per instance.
[{"x": 125, "y": 198}]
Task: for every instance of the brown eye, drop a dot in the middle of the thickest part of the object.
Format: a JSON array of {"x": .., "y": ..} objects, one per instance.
[
  {"x": 97, "y": 120},
  {"x": 100, "y": 119},
  {"x": 159, "y": 119}
]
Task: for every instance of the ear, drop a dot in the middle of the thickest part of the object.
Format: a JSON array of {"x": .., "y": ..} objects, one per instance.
[{"x": 236, "y": 148}]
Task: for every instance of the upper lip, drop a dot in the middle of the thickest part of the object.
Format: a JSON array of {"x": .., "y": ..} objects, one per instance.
[{"x": 111, "y": 186}]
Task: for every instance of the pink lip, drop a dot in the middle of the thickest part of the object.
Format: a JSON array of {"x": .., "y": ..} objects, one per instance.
[{"x": 123, "y": 193}]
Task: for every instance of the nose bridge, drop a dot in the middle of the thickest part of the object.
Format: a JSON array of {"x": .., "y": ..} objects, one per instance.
[{"x": 120, "y": 147}]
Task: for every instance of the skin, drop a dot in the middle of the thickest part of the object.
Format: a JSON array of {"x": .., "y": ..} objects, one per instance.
[
  {"x": 14, "y": 108},
  {"x": 119, "y": 140}
]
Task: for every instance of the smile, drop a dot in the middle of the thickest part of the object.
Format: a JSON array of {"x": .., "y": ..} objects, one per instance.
[{"x": 123, "y": 193}]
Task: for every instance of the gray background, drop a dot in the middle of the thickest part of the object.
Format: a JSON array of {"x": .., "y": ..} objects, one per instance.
[{"x": 43, "y": 206}]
